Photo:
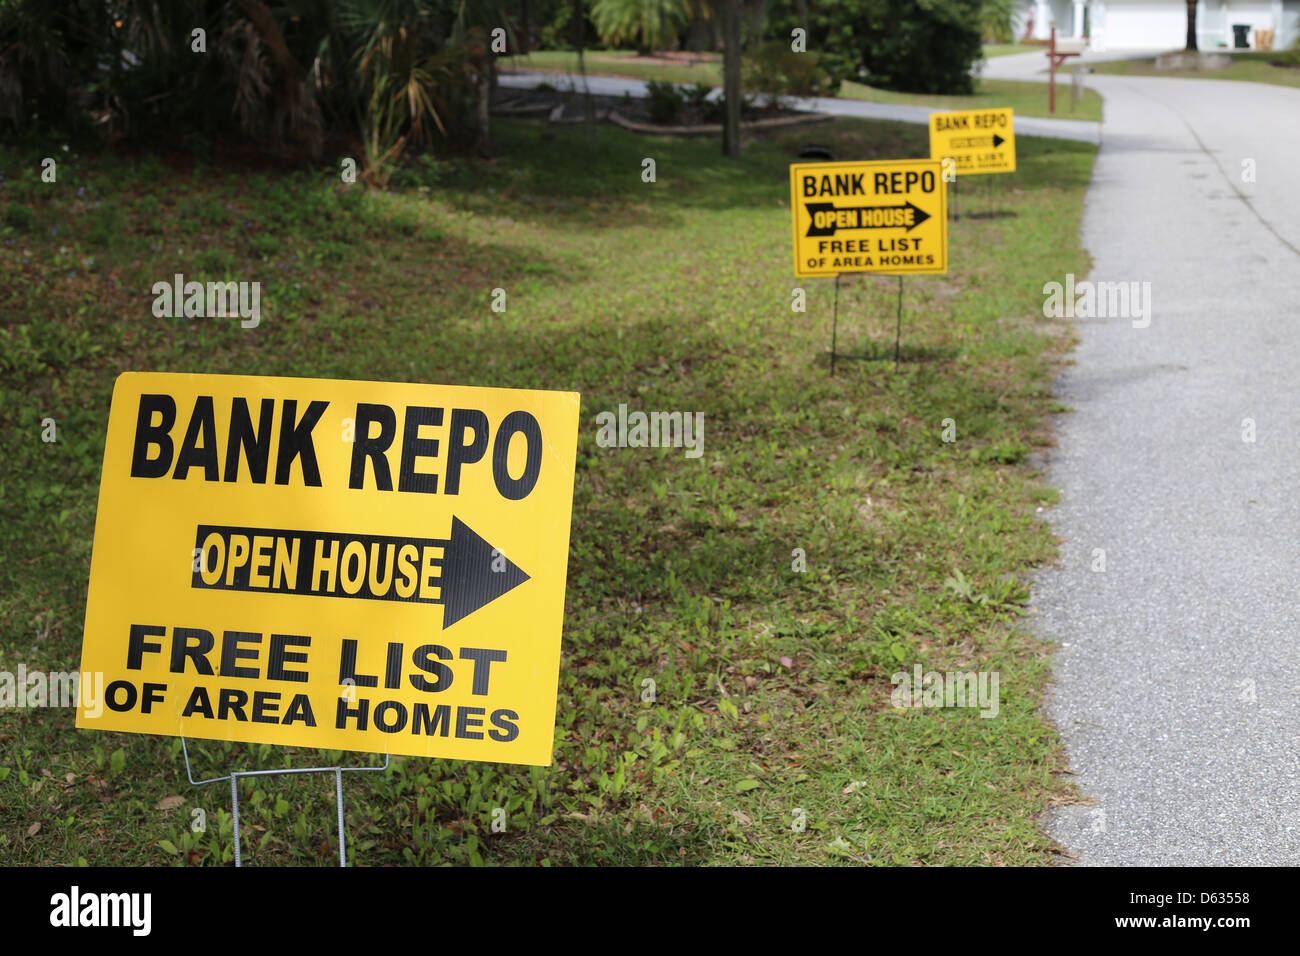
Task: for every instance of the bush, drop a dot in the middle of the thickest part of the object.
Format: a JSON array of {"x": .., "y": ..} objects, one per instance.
[
  {"x": 895, "y": 44},
  {"x": 698, "y": 95},
  {"x": 665, "y": 103},
  {"x": 715, "y": 111},
  {"x": 1288, "y": 58},
  {"x": 393, "y": 75},
  {"x": 779, "y": 72}
]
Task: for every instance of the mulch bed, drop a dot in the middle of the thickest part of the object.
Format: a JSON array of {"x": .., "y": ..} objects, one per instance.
[{"x": 568, "y": 106}]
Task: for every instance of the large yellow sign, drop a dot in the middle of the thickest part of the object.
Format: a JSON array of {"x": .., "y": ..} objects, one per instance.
[
  {"x": 977, "y": 141},
  {"x": 345, "y": 565},
  {"x": 889, "y": 217}
]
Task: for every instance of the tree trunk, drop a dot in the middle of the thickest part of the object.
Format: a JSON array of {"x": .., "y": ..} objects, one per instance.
[
  {"x": 731, "y": 77},
  {"x": 802, "y": 7},
  {"x": 527, "y": 29},
  {"x": 588, "y": 112},
  {"x": 1191, "y": 24}
]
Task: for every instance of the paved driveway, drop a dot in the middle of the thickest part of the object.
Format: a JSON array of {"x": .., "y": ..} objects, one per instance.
[{"x": 1178, "y": 690}]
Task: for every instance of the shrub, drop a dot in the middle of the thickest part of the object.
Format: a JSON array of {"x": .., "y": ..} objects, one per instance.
[
  {"x": 779, "y": 72},
  {"x": 895, "y": 44},
  {"x": 698, "y": 95},
  {"x": 665, "y": 102},
  {"x": 715, "y": 111}
]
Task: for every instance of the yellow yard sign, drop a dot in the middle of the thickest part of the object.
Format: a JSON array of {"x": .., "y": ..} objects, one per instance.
[
  {"x": 977, "y": 141},
  {"x": 345, "y": 565},
  {"x": 886, "y": 217}
]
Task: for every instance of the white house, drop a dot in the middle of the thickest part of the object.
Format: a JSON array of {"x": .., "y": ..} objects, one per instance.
[{"x": 1160, "y": 24}]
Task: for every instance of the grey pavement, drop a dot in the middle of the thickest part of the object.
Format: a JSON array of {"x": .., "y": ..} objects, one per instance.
[{"x": 1178, "y": 686}]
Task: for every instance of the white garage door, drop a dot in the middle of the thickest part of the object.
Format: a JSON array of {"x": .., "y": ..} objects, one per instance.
[{"x": 1144, "y": 25}]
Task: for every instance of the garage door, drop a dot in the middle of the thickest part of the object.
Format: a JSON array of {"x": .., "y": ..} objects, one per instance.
[{"x": 1143, "y": 25}]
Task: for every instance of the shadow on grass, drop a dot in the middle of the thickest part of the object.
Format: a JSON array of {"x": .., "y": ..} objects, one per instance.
[{"x": 594, "y": 175}]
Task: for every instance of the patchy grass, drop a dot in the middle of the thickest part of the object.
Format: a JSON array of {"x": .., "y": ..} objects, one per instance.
[
  {"x": 772, "y": 684},
  {"x": 1255, "y": 66},
  {"x": 1025, "y": 97},
  {"x": 1007, "y": 49}
]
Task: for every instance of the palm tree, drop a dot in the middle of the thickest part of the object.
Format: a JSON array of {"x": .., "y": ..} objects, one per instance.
[
  {"x": 1191, "y": 25},
  {"x": 645, "y": 22}
]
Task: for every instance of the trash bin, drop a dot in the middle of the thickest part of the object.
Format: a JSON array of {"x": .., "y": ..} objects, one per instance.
[{"x": 1241, "y": 36}]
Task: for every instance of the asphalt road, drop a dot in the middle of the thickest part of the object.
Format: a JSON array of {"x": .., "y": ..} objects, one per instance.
[{"x": 1178, "y": 686}]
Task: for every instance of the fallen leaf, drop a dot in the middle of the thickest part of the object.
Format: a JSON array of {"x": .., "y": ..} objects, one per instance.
[
  {"x": 854, "y": 785},
  {"x": 171, "y": 802},
  {"x": 34, "y": 829}
]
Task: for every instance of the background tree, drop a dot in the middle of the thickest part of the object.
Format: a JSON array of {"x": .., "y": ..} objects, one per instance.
[
  {"x": 996, "y": 20},
  {"x": 917, "y": 46},
  {"x": 383, "y": 75},
  {"x": 650, "y": 24}
]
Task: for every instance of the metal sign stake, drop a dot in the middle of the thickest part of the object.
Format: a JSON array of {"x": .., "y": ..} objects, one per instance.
[
  {"x": 235, "y": 775},
  {"x": 835, "y": 319}
]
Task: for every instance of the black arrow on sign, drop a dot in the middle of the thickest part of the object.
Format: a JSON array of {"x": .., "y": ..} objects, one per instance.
[
  {"x": 966, "y": 142},
  {"x": 471, "y": 572},
  {"x": 469, "y": 579},
  {"x": 918, "y": 216}
]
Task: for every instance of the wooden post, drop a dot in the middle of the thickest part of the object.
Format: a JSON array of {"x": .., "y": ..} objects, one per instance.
[{"x": 1051, "y": 82}]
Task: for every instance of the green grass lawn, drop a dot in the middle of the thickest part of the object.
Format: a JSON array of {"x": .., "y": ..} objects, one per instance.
[
  {"x": 1026, "y": 98},
  {"x": 773, "y": 685},
  {"x": 1255, "y": 66},
  {"x": 1007, "y": 49}
]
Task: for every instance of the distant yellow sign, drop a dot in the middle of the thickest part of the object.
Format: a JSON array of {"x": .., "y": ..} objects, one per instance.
[
  {"x": 345, "y": 565},
  {"x": 889, "y": 217},
  {"x": 977, "y": 141}
]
